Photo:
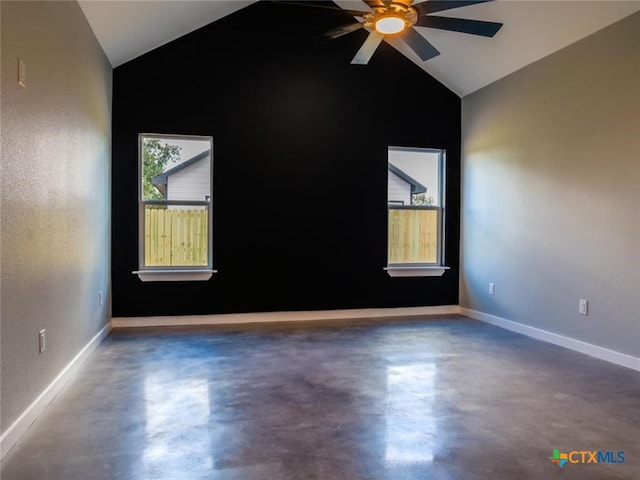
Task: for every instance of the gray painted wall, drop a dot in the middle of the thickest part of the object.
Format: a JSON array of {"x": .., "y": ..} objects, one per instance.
[
  {"x": 55, "y": 194},
  {"x": 551, "y": 192}
]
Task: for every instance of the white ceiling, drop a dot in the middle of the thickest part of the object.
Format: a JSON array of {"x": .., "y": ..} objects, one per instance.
[
  {"x": 532, "y": 30},
  {"x": 128, "y": 29}
]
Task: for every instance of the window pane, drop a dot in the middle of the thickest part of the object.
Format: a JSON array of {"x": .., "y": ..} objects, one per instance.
[
  {"x": 414, "y": 201},
  {"x": 413, "y": 177},
  {"x": 176, "y": 169},
  {"x": 175, "y": 201},
  {"x": 176, "y": 235}
]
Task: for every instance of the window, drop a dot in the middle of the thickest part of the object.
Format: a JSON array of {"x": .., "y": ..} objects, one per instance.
[
  {"x": 415, "y": 203},
  {"x": 175, "y": 207}
]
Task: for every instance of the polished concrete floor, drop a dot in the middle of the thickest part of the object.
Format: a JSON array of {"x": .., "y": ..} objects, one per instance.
[{"x": 436, "y": 398}]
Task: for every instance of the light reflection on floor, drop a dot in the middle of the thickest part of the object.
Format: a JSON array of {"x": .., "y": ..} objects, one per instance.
[
  {"x": 165, "y": 450},
  {"x": 411, "y": 425}
]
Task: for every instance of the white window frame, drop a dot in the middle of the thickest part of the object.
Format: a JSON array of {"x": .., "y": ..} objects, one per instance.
[
  {"x": 431, "y": 269},
  {"x": 170, "y": 273}
]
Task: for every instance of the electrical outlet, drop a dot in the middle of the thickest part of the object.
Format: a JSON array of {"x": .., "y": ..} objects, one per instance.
[
  {"x": 41, "y": 340},
  {"x": 100, "y": 298},
  {"x": 492, "y": 288},
  {"x": 583, "y": 307}
]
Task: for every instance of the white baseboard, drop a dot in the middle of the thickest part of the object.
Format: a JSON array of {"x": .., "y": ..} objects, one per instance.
[
  {"x": 602, "y": 353},
  {"x": 11, "y": 436},
  {"x": 272, "y": 317}
]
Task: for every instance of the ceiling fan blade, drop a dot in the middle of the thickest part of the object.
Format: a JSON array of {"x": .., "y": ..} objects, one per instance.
[
  {"x": 355, "y": 13},
  {"x": 420, "y": 45},
  {"x": 474, "y": 27},
  {"x": 368, "y": 48},
  {"x": 432, "y": 6},
  {"x": 341, "y": 30}
]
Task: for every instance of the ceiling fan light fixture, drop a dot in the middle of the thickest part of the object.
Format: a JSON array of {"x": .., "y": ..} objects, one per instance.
[{"x": 389, "y": 24}]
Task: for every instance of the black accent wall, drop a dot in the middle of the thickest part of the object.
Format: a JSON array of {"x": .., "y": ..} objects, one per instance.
[{"x": 300, "y": 163}]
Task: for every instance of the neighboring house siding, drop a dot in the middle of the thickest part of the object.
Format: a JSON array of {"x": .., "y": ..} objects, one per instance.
[
  {"x": 191, "y": 183},
  {"x": 399, "y": 190}
]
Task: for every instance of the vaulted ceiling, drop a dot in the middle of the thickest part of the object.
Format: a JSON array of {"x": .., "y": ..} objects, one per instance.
[{"x": 532, "y": 30}]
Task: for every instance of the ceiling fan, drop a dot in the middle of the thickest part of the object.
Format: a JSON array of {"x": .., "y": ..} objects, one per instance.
[{"x": 397, "y": 18}]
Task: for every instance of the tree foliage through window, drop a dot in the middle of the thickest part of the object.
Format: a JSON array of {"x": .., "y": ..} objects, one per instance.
[
  {"x": 156, "y": 155},
  {"x": 421, "y": 199}
]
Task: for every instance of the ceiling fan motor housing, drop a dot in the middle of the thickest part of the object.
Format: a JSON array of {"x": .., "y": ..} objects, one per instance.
[{"x": 392, "y": 13}]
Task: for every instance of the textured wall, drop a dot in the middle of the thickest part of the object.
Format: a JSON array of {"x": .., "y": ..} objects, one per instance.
[
  {"x": 55, "y": 194},
  {"x": 300, "y": 139},
  {"x": 551, "y": 192}
]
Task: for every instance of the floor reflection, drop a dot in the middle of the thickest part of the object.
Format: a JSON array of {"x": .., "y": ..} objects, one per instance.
[
  {"x": 410, "y": 420},
  {"x": 178, "y": 437}
]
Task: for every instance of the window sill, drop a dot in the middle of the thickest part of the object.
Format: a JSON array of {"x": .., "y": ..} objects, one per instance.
[
  {"x": 422, "y": 271},
  {"x": 174, "y": 275}
]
